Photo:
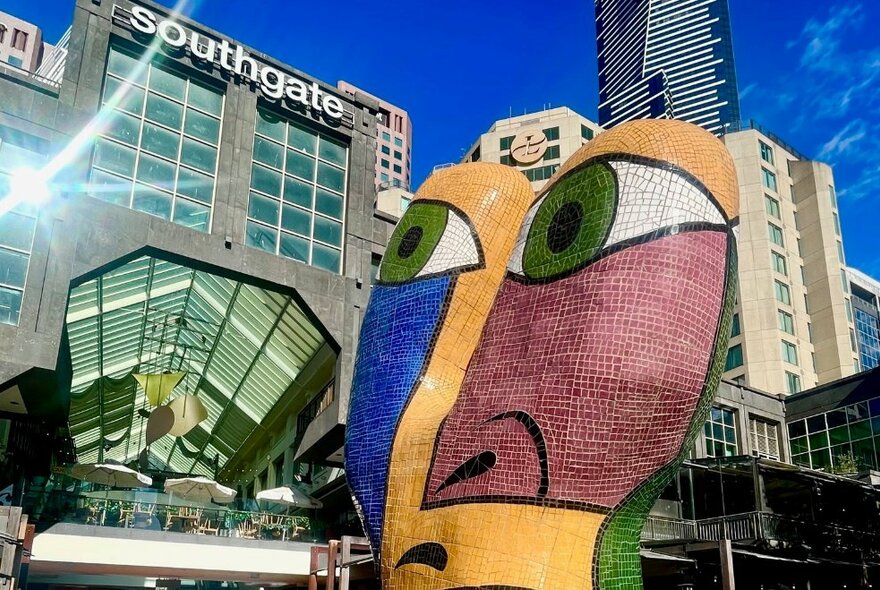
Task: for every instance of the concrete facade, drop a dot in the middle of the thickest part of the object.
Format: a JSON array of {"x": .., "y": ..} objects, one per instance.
[
  {"x": 21, "y": 43},
  {"x": 793, "y": 290},
  {"x": 78, "y": 236},
  {"x": 565, "y": 132},
  {"x": 393, "y": 140}
]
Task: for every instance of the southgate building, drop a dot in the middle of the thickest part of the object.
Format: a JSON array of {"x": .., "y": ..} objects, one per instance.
[
  {"x": 666, "y": 59},
  {"x": 179, "y": 204}
]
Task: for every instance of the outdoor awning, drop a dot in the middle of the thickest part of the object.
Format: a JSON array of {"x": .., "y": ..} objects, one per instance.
[{"x": 241, "y": 347}]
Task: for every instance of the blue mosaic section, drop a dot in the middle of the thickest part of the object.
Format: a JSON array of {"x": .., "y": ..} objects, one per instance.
[{"x": 395, "y": 337}]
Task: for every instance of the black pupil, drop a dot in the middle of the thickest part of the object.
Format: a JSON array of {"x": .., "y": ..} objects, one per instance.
[
  {"x": 410, "y": 242},
  {"x": 565, "y": 227}
]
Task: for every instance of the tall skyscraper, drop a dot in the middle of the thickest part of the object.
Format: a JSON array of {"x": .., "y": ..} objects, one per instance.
[{"x": 666, "y": 59}]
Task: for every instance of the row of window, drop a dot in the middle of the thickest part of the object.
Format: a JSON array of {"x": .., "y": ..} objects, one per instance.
[
  {"x": 398, "y": 141},
  {"x": 551, "y": 133},
  {"x": 19, "y": 37},
  {"x": 844, "y": 439},
  {"x": 552, "y": 153},
  {"x": 720, "y": 435}
]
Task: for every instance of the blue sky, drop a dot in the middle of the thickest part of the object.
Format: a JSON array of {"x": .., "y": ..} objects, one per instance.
[{"x": 808, "y": 70}]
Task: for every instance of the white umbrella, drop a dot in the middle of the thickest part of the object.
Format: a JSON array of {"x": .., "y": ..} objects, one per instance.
[
  {"x": 289, "y": 496},
  {"x": 110, "y": 474},
  {"x": 199, "y": 489}
]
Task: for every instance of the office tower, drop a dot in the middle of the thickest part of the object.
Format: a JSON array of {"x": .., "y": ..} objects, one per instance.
[
  {"x": 394, "y": 141},
  {"x": 866, "y": 309},
  {"x": 793, "y": 323},
  {"x": 665, "y": 59},
  {"x": 536, "y": 143},
  {"x": 21, "y": 43}
]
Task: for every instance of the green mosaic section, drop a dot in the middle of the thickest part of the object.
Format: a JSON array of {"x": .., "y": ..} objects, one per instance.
[
  {"x": 414, "y": 240},
  {"x": 571, "y": 224},
  {"x": 619, "y": 564}
]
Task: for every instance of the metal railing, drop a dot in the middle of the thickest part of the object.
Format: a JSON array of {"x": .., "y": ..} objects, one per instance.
[
  {"x": 668, "y": 529},
  {"x": 754, "y": 125}
]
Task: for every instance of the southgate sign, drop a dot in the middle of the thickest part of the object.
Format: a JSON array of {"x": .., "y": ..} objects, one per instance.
[{"x": 273, "y": 83}]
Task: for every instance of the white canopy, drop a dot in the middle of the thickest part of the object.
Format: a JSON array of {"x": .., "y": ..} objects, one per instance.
[
  {"x": 289, "y": 496},
  {"x": 110, "y": 474},
  {"x": 199, "y": 489}
]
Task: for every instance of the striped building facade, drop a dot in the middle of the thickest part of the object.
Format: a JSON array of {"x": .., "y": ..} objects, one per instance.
[{"x": 665, "y": 59}]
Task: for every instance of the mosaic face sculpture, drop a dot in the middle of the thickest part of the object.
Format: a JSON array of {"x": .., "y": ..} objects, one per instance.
[{"x": 532, "y": 371}]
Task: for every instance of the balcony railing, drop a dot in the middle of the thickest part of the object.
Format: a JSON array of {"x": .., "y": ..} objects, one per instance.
[{"x": 669, "y": 529}]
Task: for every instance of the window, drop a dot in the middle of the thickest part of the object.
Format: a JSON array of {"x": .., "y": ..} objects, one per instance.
[
  {"x": 157, "y": 152},
  {"x": 849, "y": 313},
  {"x": 720, "y": 431},
  {"x": 772, "y": 206},
  {"x": 507, "y": 160},
  {"x": 398, "y": 155},
  {"x": 803, "y": 276},
  {"x": 19, "y": 39},
  {"x": 869, "y": 341},
  {"x": 783, "y": 293},
  {"x": 792, "y": 382},
  {"x": 806, "y": 303},
  {"x": 786, "y": 322},
  {"x": 765, "y": 442},
  {"x": 475, "y": 156},
  {"x": 840, "y": 252},
  {"x": 813, "y": 358},
  {"x": 552, "y": 133},
  {"x": 852, "y": 340},
  {"x": 505, "y": 142},
  {"x": 789, "y": 353},
  {"x": 2, "y": 32},
  {"x": 779, "y": 263},
  {"x": 734, "y": 326},
  {"x": 552, "y": 153},
  {"x": 397, "y": 169},
  {"x": 384, "y": 176},
  {"x": 776, "y": 235},
  {"x": 836, "y": 223},
  {"x": 734, "y": 357},
  {"x": 766, "y": 152},
  {"x": 14, "y": 61},
  {"x": 385, "y": 163},
  {"x": 542, "y": 173},
  {"x": 404, "y": 203},
  {"x": 398, "y": 142},
  {"x": 586, "y": 132},
  {"x": 800, "y": 248},
  {"x": 833, "y": 196},
  {"x": 769, "y": 179},
  {"x": 810, "y": 335},
  {"x": 18, "y": 225},
  {"x": 796, "y": 223},
  {"x": 844, "y": 282},
  {"x": 298, "y": 190},
  {"x": 386, "y": 136},
  {"x": 386, "y": 150}
]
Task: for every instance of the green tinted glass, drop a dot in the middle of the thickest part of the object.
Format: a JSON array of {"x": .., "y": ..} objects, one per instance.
[{"x": 413, "y": 241}]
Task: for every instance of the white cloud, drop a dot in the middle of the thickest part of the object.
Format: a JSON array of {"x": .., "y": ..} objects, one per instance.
[{"x": 838, "y": 145}]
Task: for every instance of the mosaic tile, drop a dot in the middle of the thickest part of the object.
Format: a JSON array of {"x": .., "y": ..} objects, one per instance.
[{"x": 531, "y": 371}]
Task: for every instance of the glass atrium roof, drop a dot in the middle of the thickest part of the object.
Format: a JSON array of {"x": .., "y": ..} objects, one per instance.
[{"x": 241, "y": 346}]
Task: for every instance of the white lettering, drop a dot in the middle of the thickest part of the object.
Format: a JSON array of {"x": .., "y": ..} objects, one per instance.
[
  {"x": 143, "y": 20},
  {"x": 233, "y": 58},
  {"x": 179, "y": 38}
]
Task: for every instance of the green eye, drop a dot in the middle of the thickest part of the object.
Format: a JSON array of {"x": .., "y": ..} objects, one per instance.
[
  {"x": 413, "y": 242},
  {"x": 571, "y": 223}
]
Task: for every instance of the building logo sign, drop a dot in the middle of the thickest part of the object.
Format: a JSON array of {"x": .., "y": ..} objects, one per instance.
[
  {"x": 234, "y": 59},
  {"x": 528, "y": 147}
]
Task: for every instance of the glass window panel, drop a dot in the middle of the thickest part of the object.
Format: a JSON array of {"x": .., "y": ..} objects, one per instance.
[
  {"x": 296, "y": 220},
  {"x": 205, "y": 98},
  {"x": 192, "y": 215},
  {"x": 161, "y": 110},
  {"x": 333, "y": 151},
  {"x": 326, "y": 258},
  {"x": 298, "y": 192},
  {"x": 328, "y": 231},
  {"x": 815, "y": 423},
  {"x": 268, "y": 152},
  {"x": 821, "y": 459},
  {"x": 130, "y": 99},
  {"x": 110, "y": 188},
  {"x": 857, "y": 411},
  {"x": 727, "y": 416},
  {"x": 302, "y": 139},
  {"x": 198, "y": 155},
  {"x": 195, "y": 184},
  {"x": 202, "y": 126},
  {"x": 838, "y": 435},
  {"x": 860, "y": 430},
  {"x": 328, "y": 203},
  {"x": 863, "y": 453},
  {"x": 300, "y": 164},
  {"x": 263, "y": 209},
  {"x": 160, "y": 141},
  {"x": 10, "y": 306},
  {"x": 836, "y": 418},
  {"x": 819, "y": 440},
  {"x": 798, "y": 428},
  {"x": 331, "y": 177},
  {"x": 260, "y": 236},
  {"x": 294, "y": 247},
  {"x": 17, "y": 230},
  {"x": 126, "y": 66},
  {"x": 123, "y": 127},
  {"x": 265, "y": 180},
  {"x": 152, "y": 201},
  {"x": 270, "y": 125},
  {"x": 155, "y": 171},
  {"x": 13, "y": 268},
  {"x": 167, "y": 83},
  {"x": 114, "y": 157},
  {"x": 799, "y": 445}
]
